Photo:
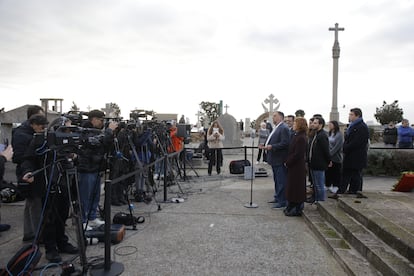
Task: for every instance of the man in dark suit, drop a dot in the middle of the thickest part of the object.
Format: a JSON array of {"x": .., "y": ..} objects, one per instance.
[
  {"x": 355, "y": 152},
  {"x": 277, "y": 146}
]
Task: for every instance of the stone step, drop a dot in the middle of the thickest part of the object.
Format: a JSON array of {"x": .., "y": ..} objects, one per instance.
[
  {"x": 352, "y": 262},
  {"x": 392, "y": 221},
  {"x": 378, "y": 253}
]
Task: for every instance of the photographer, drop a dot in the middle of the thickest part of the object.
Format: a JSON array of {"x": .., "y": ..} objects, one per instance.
[
  {"x": 215, "y": 138},
  {"x": 91, "y": 161},
  {"x": 43, "y": 168}
]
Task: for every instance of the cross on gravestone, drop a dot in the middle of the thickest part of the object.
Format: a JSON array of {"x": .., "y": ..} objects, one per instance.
[
  {"x": 272, "y": 100},
  {"x": 226, "y": 106}
]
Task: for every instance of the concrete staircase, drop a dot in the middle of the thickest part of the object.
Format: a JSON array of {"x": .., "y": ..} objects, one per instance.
[{"x": 368, "y": 236}]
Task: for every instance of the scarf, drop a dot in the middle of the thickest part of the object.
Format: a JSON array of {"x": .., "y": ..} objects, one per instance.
[{"x": 357, "y": 121}]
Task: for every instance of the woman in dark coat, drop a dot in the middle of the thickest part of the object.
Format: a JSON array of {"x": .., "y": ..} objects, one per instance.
[{"x": 296, "y": 169}]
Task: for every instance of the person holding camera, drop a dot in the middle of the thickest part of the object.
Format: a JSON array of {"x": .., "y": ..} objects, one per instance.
[
  {"x": 43, "y": 169},
  {"x": 21, "y": 138},
  {"x": 91, "y": 162},
  {"x": 215, "y": 138}
]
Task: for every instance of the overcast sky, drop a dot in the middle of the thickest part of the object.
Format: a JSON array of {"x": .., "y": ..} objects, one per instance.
[{"x": 168, "y": 56}]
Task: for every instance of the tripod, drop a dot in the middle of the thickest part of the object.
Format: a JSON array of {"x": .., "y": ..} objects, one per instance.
[{"x": 72, "y": 177}]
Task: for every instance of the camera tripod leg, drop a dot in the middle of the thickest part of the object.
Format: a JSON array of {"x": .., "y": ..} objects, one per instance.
[{"x": 72, "y": 178}]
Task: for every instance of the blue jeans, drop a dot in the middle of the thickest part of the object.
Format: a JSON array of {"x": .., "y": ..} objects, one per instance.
[
  {"x": 318, "y": 179},
  {"x": 89, "y": 194},
  {"x": 279, "y": 178}
]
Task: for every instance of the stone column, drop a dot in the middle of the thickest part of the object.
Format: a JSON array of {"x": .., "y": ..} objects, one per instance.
[{"x": 334, "y": 115}]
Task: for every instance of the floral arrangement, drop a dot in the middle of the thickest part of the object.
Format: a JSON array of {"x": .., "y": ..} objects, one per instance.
[{"x": 405, "y": 182}]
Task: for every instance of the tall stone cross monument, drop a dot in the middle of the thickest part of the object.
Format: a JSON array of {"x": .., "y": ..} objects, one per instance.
[
  {"x": 334, "y": 115},
  {"x": 272, "y": 100}
]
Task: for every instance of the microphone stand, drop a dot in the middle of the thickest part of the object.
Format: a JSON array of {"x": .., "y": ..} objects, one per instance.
[{"x": 251, "y": 204}]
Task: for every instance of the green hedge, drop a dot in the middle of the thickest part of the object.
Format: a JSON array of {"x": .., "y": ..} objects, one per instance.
[{"x": 389, "y": 162}]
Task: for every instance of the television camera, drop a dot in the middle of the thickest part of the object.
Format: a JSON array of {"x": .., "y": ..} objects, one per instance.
[{"x": 68, "y": 139}]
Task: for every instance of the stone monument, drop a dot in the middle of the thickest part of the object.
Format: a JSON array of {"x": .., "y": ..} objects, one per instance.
[
  {"x": 271, "y": 100},
  {"x": 231, "y": 131},
  {"x": 334, "y": 115}
]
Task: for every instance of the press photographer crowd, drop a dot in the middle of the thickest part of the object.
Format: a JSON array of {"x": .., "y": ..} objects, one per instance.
[{"x": 60, "y": 166}]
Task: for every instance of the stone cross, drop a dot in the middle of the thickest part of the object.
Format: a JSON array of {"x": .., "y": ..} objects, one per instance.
[
  {"x": 335, "y": 49},
  {"x": 226, "y": 106},
  {"x": 272, "y": 100},
  {"x": 334, "y": 115}
]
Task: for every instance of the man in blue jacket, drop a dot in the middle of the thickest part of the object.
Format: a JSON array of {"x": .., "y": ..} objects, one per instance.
[{"x": 405, "y": 135}]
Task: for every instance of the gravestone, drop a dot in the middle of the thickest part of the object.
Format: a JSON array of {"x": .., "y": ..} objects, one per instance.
[{"x": 231, "y": 131}]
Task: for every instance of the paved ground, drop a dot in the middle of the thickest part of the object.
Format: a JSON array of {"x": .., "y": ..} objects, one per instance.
[{"x": 211, "y": 233}]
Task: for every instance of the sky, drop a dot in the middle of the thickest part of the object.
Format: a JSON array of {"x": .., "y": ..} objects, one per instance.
[{"x": 170, "y": 55}]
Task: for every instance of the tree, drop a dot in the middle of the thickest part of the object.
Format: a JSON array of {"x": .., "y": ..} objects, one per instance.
[
  {"x": 211, "y": 111},
  {"x": 300, "y": 113},
  {"x": 116, "y": 111},
  {"x": 389, "y": 113}
]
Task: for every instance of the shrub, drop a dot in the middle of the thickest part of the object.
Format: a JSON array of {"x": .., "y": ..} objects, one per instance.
[{"x": 390, "y": 162}]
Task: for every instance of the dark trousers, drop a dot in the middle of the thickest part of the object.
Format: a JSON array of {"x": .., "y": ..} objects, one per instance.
[
  {"x": 216, "y": 159},
  {"x": 56, "y": 213},
  {"x": 333, "y": 175},
  {"x": 353, "y": 178},
  {"x": 259, "y": 155}
]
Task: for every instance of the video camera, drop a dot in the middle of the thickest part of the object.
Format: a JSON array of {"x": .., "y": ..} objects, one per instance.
[
  {"x": 76, "y": 117},
  {"x": 69, "y": 139}
]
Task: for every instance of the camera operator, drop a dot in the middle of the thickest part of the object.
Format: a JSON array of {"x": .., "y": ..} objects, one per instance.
[
  {"x": 121, "y": 164},
  {"x": 49, "y": 183},
  {"x": 91, "y": 162},
  {"x": 21, "y": 138}
]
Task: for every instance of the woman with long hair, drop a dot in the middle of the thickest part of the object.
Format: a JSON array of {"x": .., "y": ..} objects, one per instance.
[{"x": 336, "y": 142}]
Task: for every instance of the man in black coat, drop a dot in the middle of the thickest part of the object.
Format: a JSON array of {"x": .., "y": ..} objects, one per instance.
[
  {"x": 355, "y": 152},
  {"x": 50, "y": 185},
  {"x": 319, "y": 158},
  {"x": 21, "y": 138}
]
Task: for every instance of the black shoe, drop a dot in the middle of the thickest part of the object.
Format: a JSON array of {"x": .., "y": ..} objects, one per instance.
[
  {"x": 53, "y": 256},
  {"x": 28, "y": 238},
  {"x": 123, "y": 201},
  {"x": 272, "y": 201},
  {"x": 310, "y": 200},
  {"x": 334, "y": 196},
  {"x": 68, "y": 248},
  {"x": 116, "y": 203},
  {"x": 4, "y": 227},
  {"x": 293, "y": 213},
  {"x": 360, "y": 195}
]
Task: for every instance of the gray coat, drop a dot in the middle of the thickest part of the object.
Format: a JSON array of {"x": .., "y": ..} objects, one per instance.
[{"x": 336, "y": 142}]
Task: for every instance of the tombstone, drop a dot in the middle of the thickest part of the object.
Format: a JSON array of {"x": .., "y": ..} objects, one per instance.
[
  {"x": 231, "y": 131},
  {"x": 247, "y": 126}
]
